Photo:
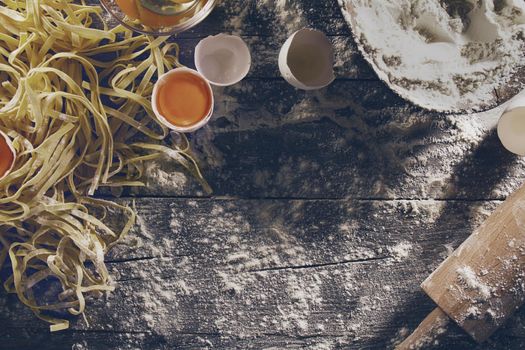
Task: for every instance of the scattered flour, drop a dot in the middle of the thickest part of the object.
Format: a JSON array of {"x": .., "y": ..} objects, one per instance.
[
  {"x": 430, "y": 150},
  {"x": 443, "y": 55},
  {"x": 288, "y": 13},
  {"x": 473, "y": 312},
  {"x": 286, "y": 16},
  {"x": 401, "y": 251},
  {"x": 237, "y": 16},
  {"x": 164, "y": 178},
  {"x": 80, "y": 346},
  {"x": 164, "y": 174}
]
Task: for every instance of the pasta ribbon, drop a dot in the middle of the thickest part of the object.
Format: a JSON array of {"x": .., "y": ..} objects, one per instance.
[{"x": 75, "y": 100}]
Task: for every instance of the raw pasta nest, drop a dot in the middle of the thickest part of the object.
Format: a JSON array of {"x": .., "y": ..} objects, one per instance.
[{"x": 74, "y": 99}]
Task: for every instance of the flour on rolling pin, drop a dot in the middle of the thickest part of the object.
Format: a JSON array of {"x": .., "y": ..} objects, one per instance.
[
  {"x": 483, "y": 282},
  {"x": 519, "y": 215}
]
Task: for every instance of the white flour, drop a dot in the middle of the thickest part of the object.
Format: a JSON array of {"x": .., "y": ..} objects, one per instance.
[
  {"x": 286, "y": 15},
  {"x": 443, "y": 55},
  {"x": 401, "y": 251},
  {"x": 469, "y": 277}
]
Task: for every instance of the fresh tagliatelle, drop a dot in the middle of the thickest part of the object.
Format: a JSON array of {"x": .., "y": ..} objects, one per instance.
[{"x": 75, "y": 101}]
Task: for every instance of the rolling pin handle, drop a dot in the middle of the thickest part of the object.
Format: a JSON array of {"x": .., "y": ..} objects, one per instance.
[{"x": 427, "y": 332}]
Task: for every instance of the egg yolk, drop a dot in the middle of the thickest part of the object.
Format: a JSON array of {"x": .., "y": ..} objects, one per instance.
[
  {"x": 134, "y": 10},
  {"x": 184, "y": 99},
  {"x": 6, "y": 157},
  {"x": 129, "y": 7}
]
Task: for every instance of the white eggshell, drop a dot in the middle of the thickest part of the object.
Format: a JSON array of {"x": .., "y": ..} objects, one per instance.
[
  {"x": 223, "y": 59},
  {"x": 12, "y": 149},
  {"x": 306, "y": 60},
  {"x": 511, "y": 126}
]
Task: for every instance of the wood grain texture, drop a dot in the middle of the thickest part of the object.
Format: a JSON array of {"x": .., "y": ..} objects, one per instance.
[
  {"x": 353, "y": 140},
  {"x": 329, "y": 209},
  {"x": 264, "y": 18},
  {"x": 253, "y": 274}
]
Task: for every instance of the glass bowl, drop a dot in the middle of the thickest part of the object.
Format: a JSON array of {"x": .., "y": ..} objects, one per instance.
[{"x": 191, "y": 15}]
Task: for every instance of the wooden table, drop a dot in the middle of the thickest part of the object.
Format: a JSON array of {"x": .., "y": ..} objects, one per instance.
[{"x": 329, "y": 209}]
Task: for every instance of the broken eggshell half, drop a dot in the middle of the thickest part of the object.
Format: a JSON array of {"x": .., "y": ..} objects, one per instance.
[
  {"x": 306, "y": 60},
  {"x": 223, "y": 59},
  {"x": 7, "y": 163},
  {"x": 511, "y": 126}
]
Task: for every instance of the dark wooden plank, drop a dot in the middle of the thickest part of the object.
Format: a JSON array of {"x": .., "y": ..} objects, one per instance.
[
  {"x": 273, "y": 18},
  {"x": 251, "y": 274},
  {"x": 352, "y": 140}
]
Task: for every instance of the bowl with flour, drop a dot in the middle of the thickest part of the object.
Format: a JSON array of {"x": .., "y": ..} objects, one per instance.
[{"x": 443, "y": 55}]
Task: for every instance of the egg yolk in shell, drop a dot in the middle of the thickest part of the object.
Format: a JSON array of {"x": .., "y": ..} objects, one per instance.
[
  {"x": 6, "y": 156},
  {"x": 135, "y": 10},
  {"x": 184, "y": 99}
]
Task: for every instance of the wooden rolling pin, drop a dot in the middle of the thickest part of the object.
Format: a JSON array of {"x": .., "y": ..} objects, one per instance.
[{"x": 483, "y": 282}]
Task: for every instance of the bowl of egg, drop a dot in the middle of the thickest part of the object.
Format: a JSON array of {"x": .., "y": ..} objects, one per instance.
[{"x": 159, "y": 17}]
